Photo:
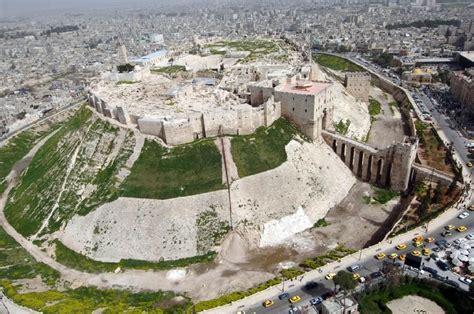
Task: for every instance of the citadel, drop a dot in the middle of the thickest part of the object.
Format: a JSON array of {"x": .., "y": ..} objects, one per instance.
[{"x": 190, "y": 105}]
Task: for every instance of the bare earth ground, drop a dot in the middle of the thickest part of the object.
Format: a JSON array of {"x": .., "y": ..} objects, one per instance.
[
  {"x": 388, "y": 128},
  {"x": 414, "y": 304},
  {"x": 267, "y": 208}
]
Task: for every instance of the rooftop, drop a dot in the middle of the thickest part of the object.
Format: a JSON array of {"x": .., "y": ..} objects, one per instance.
[
  {"x": 151, "y": 56},
  {"x": 305, "y": 89},
  {"x": 468, "y": 55}
]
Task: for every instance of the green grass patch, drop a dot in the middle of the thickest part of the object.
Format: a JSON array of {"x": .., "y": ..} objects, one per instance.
[
  {"x": 28, "y": 203},
  {"x": 88, "y": 299},
  {"x": 337, "y": 63},
  {"x": 257, "y": 48},
  {"x": 342, "y": 127},
  {"x": 291, "y": 273},
  {"x": 383, "y": 196},
  {"x": 375, "y": 108},
  {"x": 232, "y": 297},
  {"x": 183, "y": 170},
  {"x": 125, "y": 82},
  {"x": 17, "y": 148},
  {"x": 172, "y": 69},
  {"x": 263, "y": 150},
  {"x": 392, "y": 105},
  {"x": 72, "y": 259},
  {"x": 321, "y": 223},
  {"x": 339, "y": 252}
]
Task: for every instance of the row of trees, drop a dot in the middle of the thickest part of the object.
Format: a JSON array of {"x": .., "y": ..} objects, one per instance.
[{"x": 425, "y": 23}]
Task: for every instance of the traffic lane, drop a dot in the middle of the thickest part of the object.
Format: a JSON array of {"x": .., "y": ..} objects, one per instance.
[
  {"x": 442, "y": 120},
  {"x": 306, "y": 295},
  {"x": 369, "y": 265}
]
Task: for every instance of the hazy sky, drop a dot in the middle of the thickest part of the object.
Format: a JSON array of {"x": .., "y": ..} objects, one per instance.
[{"x": 11, "y": 8}]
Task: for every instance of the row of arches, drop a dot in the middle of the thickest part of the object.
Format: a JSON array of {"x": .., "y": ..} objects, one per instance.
[{"x": 364, "y": 165}]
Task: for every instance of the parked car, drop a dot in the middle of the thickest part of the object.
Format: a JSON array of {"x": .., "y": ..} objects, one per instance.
[
  {"x": 284, "y": 296},
  {"x": 440, "y": 242},
  {"x": 463, "y": 215},
  {"x": 465, "y": 280},
  {"x": 316, "y": 301},
  {"x": 442, "y": 265},
  {"x": 430, "y": 270},
  {"x": 353, "y": 268}
]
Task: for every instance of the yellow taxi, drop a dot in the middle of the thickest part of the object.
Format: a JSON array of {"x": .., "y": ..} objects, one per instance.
[
  {"x": 471, "y": 207},
  {"x": 295, "y": 298},
  {"x": 402, "y": 257},
  {"x": 469, "y": 164},
  {"x": 401, "y": 246},
  {"x": 330, "y": 276},
  {"x": 355, "y": 276},
  {"x": 418, "y": 238},
  {"x": 430, "y": 240},
  {"x": 416, "y": 253},
  {"x": 268, "y": 303},
  {"x": 461, "y": 228},
  {"x": 393, "y": 256},
  {"x": 417, "y": 244},
  {"x": 426, "y": 252},
  {"x": 380, "y": 256},
  {"x": 449, "y": 227}
]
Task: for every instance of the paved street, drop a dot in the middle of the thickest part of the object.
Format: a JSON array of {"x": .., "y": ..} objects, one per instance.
[
  {"x": 443, "y": 122},
  {"x": 370, "y": 265}
]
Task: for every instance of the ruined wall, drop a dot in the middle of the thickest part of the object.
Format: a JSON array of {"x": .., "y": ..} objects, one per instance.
[{"x": 185, "y": 128}]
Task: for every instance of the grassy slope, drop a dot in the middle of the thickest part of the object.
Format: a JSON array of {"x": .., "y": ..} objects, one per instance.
[
  {"x": 337, "y": 63},
  {"x": 183, "y": 170},
  {"x": 16, "y": 148},
  {"x": 16, "y": 263},
  {"x": 25, "y": 209},
  {"x": 263, "y": 150},
  {"x": 74, "y": 260},
  {"x": 33, "y": 199}
]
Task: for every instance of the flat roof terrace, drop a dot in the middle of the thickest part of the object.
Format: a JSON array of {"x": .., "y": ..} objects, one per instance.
[{"x": 304, "y": 87}]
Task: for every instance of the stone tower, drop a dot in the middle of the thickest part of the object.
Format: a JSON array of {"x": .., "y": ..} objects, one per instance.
[{"x": 122, "y": 52}]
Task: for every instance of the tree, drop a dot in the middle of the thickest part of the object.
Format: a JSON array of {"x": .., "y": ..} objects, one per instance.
[
  {"x": 345, "y": 280},
  {"x": 125, "y": 68}
]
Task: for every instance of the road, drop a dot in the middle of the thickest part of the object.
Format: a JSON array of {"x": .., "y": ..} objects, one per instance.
[
  {"x": 370, "y": 265},
  {"x": 43, "y": 118},
  {"x": 443, "y": 122}
]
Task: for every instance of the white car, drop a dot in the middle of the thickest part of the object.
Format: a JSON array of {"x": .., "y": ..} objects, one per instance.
[
  {"x": 465, "y": 280},
  {"x": 460, "y": 240},
  {"x": 463, "y": 215},
  {"x": 470, "y": 236}
]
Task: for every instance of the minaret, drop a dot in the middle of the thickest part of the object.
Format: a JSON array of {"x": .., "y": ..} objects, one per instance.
[{"x": 122, "y": 51}]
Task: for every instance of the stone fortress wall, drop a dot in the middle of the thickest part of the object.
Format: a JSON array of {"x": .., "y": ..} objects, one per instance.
[
  {"x": 243, "y": 119},
  {"x": 358, "y": 84}
]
